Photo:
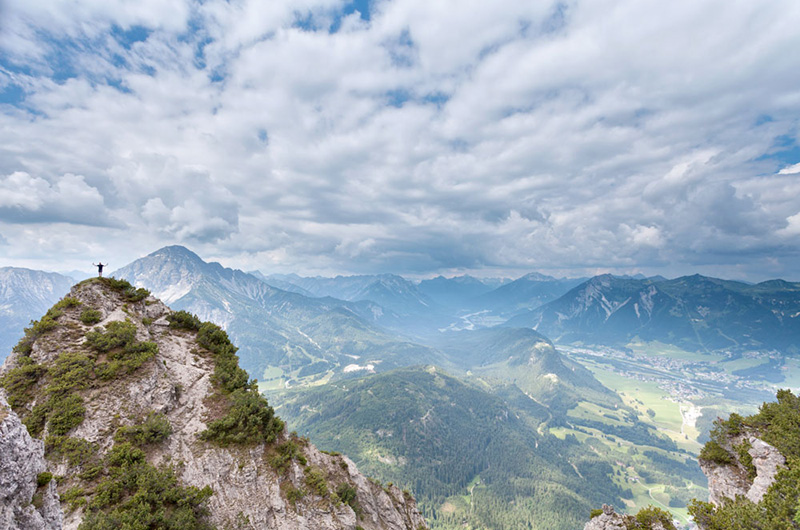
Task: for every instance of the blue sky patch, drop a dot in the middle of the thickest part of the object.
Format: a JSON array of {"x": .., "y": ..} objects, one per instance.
[
  {"x": 785, "y": 152},
  {"x": 128, "y": 37},
  {"x": 12, "y": 95},
  {"x": 363, "y": 8}
]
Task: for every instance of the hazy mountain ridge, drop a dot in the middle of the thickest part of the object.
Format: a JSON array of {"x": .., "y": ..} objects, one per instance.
[
  {"x": 24, "y": 295},
  {"x": 274, "y": 327},
  {"x": 456, "y": 291},
  {"x": 388, "y": 290},
  {"x": 692, "y": 312},
  {"x": 528, "y": 292}
]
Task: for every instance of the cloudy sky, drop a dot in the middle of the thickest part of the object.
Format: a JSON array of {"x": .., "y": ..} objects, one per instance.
[{"x": 411, "y": 136}]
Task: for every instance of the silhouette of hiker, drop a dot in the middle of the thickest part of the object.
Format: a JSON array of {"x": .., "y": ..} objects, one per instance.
[{"x": 100, "y": 268}]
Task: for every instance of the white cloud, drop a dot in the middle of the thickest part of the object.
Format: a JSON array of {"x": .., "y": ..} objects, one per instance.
[
  {"x": 433, "y": 136},
  {"x": 792, "y": 225},
  {"x": 790, "y": 170},
  {"x": 28, "y": 199}
]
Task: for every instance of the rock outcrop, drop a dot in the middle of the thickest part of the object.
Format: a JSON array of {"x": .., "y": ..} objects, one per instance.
[
  {"x": 608, "y": 520},
  {"x": 727, "y": 481},
  {"x": 24, "y": 504},
  {"x": 647, "y": 519},
  {"x": 309, "y": 490}
]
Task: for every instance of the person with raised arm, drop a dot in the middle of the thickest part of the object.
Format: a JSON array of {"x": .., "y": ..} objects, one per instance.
[{"x": 100, "y": 268}]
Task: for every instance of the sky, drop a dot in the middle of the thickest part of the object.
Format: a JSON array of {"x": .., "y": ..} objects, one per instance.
[{"x": 411, "y": 136}]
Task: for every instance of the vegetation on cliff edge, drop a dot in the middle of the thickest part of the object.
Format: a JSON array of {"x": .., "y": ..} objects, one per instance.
[{"x": 777, "y": 423}]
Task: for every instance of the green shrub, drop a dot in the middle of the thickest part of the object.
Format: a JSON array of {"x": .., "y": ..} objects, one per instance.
[
  {"x": 35, "y": 421},
  {"x": 66, "y": 413},
  {"x": 118, "y": 339},
  {"x": 347, "y": 494},
  {"x": 75, "y": 497},
  {"x": 154, "y": 429},
  {"x": 777, "y": 423},
  {"x": 594, "y": 513},
  {"x": 315, "y": 480},
  {"x": 131, "y": 293},
  {"x": 20, "y": 381},
  {"x": 183, "y": 320},
  {"x": 745, "y": 459},
  {"x": 137, "y": 495},
  {"x": 292, "y": 493},
  {"x": 714, "y": 452},
  {"x": 285, "y": 453},
  {"x": 43, "y": 479},
  {"x": 66, "y": 303},
  {"x": 116, "y": 335},
  {"x": 648, "y": 517},
  {"x": 227, "y": 374},
  {"x": 70, "y": 371},
  {"x": 249, "y": 420},
  {"x": 76, "y": 451},
  {"x": 37, "y": 329},
  {"x": 127, "y": 360},
  {"x": 91, "y": 316}
]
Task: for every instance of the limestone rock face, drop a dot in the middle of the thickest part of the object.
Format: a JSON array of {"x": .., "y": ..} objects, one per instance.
[
  {"x": 23, "y": 505},
  {"x": 730, "y": 481},
  {"x": 768, "y": 462},
  {"x": 248, "y": 493}
]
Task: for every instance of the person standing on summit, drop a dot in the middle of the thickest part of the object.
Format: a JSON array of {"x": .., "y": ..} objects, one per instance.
[{"x": 100, "y": 266}]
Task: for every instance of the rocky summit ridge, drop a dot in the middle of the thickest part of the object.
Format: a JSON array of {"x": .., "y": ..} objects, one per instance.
[{"x": 120, "y": 409}]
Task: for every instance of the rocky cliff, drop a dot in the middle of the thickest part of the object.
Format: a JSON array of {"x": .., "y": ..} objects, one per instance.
[
  {"x": 28, "y": 496},
  {"x": 144, "y": 413},
  {"x": 748, "y": 476},
  {"x": 752, "y": 468}
]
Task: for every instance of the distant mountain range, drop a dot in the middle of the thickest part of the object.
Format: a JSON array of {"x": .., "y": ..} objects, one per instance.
[
  {"x": 24, "y": 296},
  {"x": 437, "y": 303},
  {"x": 695, "y": 313},
  {"x": 457, "y": 291},
  {"x": 417, "y": 312},
  {"x": 527, "y": 292},
  {"x": 275, "y": 328}
]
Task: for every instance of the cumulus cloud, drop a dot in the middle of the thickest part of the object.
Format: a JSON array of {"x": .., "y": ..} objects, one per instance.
[
  {"x": 425, "y": 136},
  {"x": 28, "y": 199}
]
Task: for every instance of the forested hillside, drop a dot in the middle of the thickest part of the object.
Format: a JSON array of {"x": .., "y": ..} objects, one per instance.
[{"x": 467, "y": 455}]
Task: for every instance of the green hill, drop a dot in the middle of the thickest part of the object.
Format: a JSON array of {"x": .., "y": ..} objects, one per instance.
[{"x": 527, "y": 359}]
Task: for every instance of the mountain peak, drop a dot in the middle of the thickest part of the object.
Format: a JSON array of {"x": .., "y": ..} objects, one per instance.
[
  {"x": 537, "y": 277},
  {"x": 175, "y": 252}
]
